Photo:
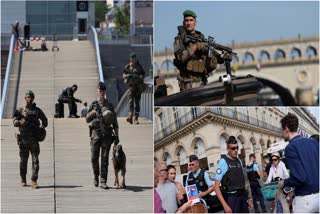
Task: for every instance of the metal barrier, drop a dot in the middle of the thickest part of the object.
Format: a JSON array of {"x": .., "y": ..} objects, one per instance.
[
  {"x": 8, "y": 71},
  {"x": 146, "y": 103},
  {"x": 93, "y": 37}
]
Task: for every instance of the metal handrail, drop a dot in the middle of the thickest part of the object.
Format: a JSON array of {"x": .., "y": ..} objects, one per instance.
[
  {"x": 95, "y": 43},
  {"x": 6, "y": 80}
]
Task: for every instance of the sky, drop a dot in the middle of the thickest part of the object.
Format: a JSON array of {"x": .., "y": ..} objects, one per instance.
[
  {"x": 245, "y": 21},
  {"x": 315, "y": 112}
]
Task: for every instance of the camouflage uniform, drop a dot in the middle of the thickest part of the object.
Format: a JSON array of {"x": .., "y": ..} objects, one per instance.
[
  {"x": 194, "y": 65},
  {"x": 28, "y": 139},
  {"x": 67, "y": 96},
  {"x": 136, "y": 85},
  {"x": 98, "y": 141}
]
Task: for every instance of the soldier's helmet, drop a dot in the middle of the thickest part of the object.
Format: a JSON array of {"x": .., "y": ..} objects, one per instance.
[
  {"x": 108, "y": 117},
  {"x": 42, "y": 133}
]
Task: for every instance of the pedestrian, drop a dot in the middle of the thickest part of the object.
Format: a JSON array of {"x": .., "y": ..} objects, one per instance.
[
  {"x": 302, "y": 156},
  {"x": 201, "y": 178},
  {"x": 67, "y": 96},
  {"x": 84, "y": 110},
  {"x": 16, "y": 33},
  {"x": 278, "y": 170},
  {"x": 104, "y": 131},
  {"x": 28, "y": 118},
  {"x": 27, "y": 33},
  {"x": 191, "y": 58},
  {"x": 157, "y": 203},
  {"x": 233, "y": 195},
  {"x": 172, "y": 177},
  {"x": 253, "y": 177},
  {"x": 169, "y": 193},
  {"x": 268, "y": 165},
  {"x": 133, "y": 76}
]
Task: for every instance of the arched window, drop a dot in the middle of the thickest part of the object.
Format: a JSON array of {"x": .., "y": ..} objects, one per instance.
[
  {"x": 295, "y": 53},
  {"x": 167, "y": 65},
  {"x": 200, "y": 148},
  {"x": 235, "y": 59},
  {"x": 279, "y": 54},
  {"x": 264, "y": 56},
  {"x": 223, "y": 144},
  {"x": 182, "y": 155},
  {"x": 248, "y": 57},
  {"x": 167, "y": 158},
  {"x": 311, "y": 51}
]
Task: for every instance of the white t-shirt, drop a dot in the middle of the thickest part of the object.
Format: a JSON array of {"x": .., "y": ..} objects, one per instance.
[
  {"x": 279, "y": 171},
  {"x": 168, "y": 194}
]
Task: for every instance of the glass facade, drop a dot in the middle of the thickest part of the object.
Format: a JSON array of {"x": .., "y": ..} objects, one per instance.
[{"x": 51, "y": 17}]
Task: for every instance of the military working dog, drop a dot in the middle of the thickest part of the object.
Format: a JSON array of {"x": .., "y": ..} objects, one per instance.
[{"x": 119, "y": 164}]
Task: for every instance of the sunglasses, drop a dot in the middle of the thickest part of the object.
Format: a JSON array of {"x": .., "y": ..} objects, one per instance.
[
  {"x": 274, "y": 160},
  {"x": 234, "y": 148}
]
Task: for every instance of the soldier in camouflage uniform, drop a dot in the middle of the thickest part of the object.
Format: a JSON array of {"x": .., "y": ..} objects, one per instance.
[
  {"x": 133, "y": 75},
  {"x": 104, "y": 127},
  {"x": 192, "y": 58},
  {"x": 27, "y": 119}
]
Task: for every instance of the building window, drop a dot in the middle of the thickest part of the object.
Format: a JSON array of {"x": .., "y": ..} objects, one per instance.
[
  {"x": 194, "y": 112},
  {"x": 177, "y": 119}
]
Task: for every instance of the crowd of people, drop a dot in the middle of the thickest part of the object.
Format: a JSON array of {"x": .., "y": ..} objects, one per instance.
[{"x": 297, "y": 169}]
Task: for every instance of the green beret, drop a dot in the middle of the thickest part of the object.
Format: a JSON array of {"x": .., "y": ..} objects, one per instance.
[
  {"x": 30, "y": 93},
  {"x": 189, "y": 13},
  {"x": 133, "y": 54}
]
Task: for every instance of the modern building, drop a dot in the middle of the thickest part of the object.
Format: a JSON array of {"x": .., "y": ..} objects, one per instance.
[
  {"x": 183, "y": 131},
  {"x": 48, "y": 17}
]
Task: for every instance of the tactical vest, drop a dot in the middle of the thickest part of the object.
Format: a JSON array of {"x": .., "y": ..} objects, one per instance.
[
  {"x": 252, "y": 175},
  {"x": 201, "y": 185},
  {"x": 199, "y": 181},
  {"x": 234, "y": 178}
]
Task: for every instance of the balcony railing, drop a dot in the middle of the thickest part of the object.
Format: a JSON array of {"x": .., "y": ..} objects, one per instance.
[{"x": 199, "y": 111}]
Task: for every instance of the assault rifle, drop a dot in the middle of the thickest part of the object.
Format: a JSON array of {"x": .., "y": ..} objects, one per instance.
[
  {"x": 100, "y": 128},
  {"x": 213, "y": 47}
]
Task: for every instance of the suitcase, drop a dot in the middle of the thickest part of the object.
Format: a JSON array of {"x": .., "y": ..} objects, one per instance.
[{"x": 59, "y": 110}]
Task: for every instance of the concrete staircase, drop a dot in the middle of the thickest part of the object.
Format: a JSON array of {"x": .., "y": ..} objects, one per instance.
[
  {"x": 48, "y": 73},
  {"x": 65, "y": 175}
]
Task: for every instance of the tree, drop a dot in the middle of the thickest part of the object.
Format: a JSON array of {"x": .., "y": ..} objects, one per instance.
[
  {"x": 122, "y": 19},
  {"x": 101, "y": 8}
]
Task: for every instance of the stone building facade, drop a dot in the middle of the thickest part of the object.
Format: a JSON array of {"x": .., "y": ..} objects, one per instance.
[{"x": 183, "y": 131}]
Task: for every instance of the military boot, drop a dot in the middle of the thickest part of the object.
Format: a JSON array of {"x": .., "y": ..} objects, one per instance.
[
  {"x": 103, "y": 184},
  {"x": 136, "y": 121},
  {"x": 129, "y": 119},
  {"x": 34, "y": 184},
  {"x": 23, "y": 181},
  {"x": 96, "y": 181}
]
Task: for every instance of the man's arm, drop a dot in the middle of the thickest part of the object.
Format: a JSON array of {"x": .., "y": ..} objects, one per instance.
[
  {"x": 209, "y": 184},
  {"x": 43, "y": 118},
  {"x": 91, "y": 113},
  {"x": 226, "y": 207},
  {"x": 297, "y": 171}
]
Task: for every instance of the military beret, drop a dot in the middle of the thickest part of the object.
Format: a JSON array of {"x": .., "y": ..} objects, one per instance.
[
  {"x": 101, "y": 86},
  {"x": 189, "y": 13},
  {"x": 30, "y": 93},
  {"x": 132, "y": 54},
  {"x": 193, "y": 158}
]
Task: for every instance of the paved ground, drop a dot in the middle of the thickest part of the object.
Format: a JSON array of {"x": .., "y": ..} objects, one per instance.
[{"x": 65, "y": 176}]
